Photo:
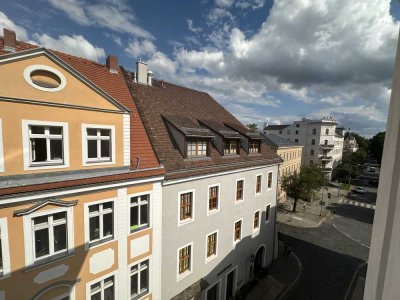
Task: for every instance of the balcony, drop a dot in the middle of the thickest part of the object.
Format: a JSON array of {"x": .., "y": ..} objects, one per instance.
[
  {"x": 327, "y": 146},
  {"x": 326, "y": 170},
  {"x": 325, "y": 158}
]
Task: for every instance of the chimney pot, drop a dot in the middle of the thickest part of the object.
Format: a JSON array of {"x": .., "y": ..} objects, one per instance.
[
  {"x": 10, "y": 40},
  {"x": 141, "y": 72},
  {"x": 149, "y": 77},
  {"x": 112, "y": 64}
]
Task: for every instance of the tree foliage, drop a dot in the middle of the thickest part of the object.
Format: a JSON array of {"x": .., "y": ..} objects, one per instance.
[
  {"x": 362, "y": 142},
  {"x": 303, "y": 184},
  {"x": 350, "y": 166},
  {"x": 253, "y": 127},
  {"x": 376, "y": 145}
]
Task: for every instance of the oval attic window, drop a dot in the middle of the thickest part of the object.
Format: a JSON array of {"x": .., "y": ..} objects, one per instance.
[{"x": 44, "y": 78}]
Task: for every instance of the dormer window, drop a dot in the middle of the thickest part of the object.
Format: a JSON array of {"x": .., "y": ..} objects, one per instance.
[
  {"x": 231, "y": 147},
  {"x": 254, "y": 147},
  {"x": 196, "y": 148}
]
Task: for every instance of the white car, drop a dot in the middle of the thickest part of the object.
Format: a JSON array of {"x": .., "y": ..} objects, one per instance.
[{"x": 360, "y": 190}]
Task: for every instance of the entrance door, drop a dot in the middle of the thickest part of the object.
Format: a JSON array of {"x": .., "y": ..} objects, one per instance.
[
  {"x": 212, "y": 293},
  {"x": 230, "y": 285},
  {"x": 258, "y": 262}
]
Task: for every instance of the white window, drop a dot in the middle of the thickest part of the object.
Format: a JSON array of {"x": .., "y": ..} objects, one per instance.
[
  {"x": 1, "y": 149},
  {"x": 211, "y": 246},
  {"x": 239, "y": 196},
  {"x": 184, "y": 261},
  {"x": 45, "y": 144},
  {"x": 140, "y": 212},
  {"x": 4, "y": 249},
  {"x": 98, "y": 144},
  {"x": 48, "y": 235},
  {"x": 269, "y": 182},
  {"x": 196, "y": 148},
  {"x": 185, "y": 207},
  {"x": 237, "y": 231},
  {"x": 213, "y": 199},
  {"x": 101, "y": 222},
  {"x": 103, "y": 289},
  {"x": 139, "y": 279}
]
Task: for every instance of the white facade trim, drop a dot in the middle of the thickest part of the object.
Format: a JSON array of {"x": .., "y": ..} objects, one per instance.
[
  {"x": 212, "y": 257},
  {"x": 5, "y": 248},
  {"x": 1, "y": 148},
  {"x": 214, "y": 211},
  {"x": 27, "y": 76},
  {"x": 29, "y": 238},
  {"x": 79, "y": 190},
  {"x": 26, "y": 145},
  {"x": 188, "y": 272},
  {"x": 85, "y": 160},
  {"x": 170, "y": 182},
  {"x": 184, "y": 222},
  {"x": 86, "y": 222},
  {"x": 150, "y": 209},
  {"x": 126, "y": 136},
  {"x": 156, "y": 263},
  {"x": 121, "y": 232},
  {"x": 243, "y": 187}
]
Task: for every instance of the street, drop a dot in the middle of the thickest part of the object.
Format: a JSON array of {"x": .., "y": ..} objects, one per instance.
[{"x": 331, "y": 252}]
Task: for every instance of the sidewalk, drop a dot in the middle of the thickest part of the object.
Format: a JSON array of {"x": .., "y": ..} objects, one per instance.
[
  {"x": 309, "y": 214},
  {"x": 281, "y": 274}
]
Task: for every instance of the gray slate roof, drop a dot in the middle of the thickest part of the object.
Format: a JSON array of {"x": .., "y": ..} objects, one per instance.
[{"x": 276, "y": 141}]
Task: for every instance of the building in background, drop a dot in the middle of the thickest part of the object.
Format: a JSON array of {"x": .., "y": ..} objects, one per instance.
[
  {"x": 322, "y": 141},
  {"x": 219, "y": 193},
  {"x": 290, "y": 154},
  {"x": 80, "y": 186},
  {"x": 350, "y": 144}
]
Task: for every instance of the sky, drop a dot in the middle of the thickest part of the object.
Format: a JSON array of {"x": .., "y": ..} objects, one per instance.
[{"x": 266, "y": 61}]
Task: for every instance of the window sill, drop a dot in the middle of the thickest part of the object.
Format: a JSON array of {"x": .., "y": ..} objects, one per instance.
[
  {"x": 255, "y": 232},
  {"x": 237, "y": 202},
  {"x": 49, "y": 260},
  {"x": 140, "y": 296},
  {"x": 184, "y": 222},
  {"x": 258, "y": 194},
  {"x": 184, "y": 275},
  {"x": 255, "y": 154},
  {"x": 211, "y": 258},
  {"x": 98, "y": 163},
  {"x": 94, "y": 244},
  {"x": 197, "y": 158},
  {"x": 139, "y": 229},
  {"x": 236, "y": 242},
  {"x": 44, "y": 166},
  {"x": 231, "y": 155},
  {"x": 212, "y": 212}
]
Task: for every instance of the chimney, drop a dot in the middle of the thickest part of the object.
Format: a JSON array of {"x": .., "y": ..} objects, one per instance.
[
  {"x": 149, "y": 77},
  {"x": 141, "y": 72},
  {"x": 112, "y": 64},
  {"x": 10, "y": 40}
]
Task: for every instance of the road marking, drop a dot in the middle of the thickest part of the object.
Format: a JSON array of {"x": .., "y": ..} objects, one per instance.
[
  {"x": 297, "y": 218},
  {"x": 349, "y": 236},
  {"x": 356, "y": 203}
]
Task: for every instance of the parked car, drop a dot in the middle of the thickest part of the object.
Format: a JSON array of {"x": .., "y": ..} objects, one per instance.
[
  {"x": 374, "y": 182},
  {"x": 360, "y": 190}
]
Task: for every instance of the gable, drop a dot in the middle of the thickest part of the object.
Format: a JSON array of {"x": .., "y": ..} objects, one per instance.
[{"x": 56, "y": 84}]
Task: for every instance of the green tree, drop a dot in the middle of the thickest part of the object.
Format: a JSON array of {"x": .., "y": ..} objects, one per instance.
[
  {"x": 376, "y": 145},
  {"x": 362, "y": 142},
  {"x": 350, "y": 166},
  {"x": 303, "y": 185},
  {"x": 253, "y": 127}
]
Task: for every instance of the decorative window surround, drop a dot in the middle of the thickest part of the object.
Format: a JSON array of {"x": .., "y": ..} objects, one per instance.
[
  {"x": 97, "y": 161},
  {"x": 143, "y": 199},
  {"x": 180, "y": 276},
  {"x": 258, "y": 185},
  {"x": 101, "y": 281},
  {"x": 5, "y": 250},
  {"x": 212, "y": 256},
  {"x": 88, "y": 243},
  {"x": 26, "y": 144},
  {"x": 51, "y": 71},
  {"x": 187, "y": 220},
  {"x": 213, "y": 211},
  {"x": 237, "y": 199},
  {"x": 139, "y": 269},
  {"x": 1, "y": 148},
  {"x": 256, "y": 222},
  {"x": 235, "y": 239},
  {"x": 29, "y": 238},
  {"x": 269, "y": 181}
]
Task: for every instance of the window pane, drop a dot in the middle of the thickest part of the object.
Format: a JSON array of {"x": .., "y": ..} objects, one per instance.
[
  {"x": 107, "y": 224},
  {"x": 109, "y": 293},
  {"x": 105, "y": 148},
  {"x": 41, "y": 242},
  {"x": 107, "y": 205},
  {"x": 93, "y": 208},
  {"x": 37, "y": 129},
  {"x": 143, "y": 214},
  {"x": 55, "y": 130},
  {"x": 92, "y": 148},
  {"x": 96, "y": 296},
  {"x": 60, "y": 216},
  {"x": 134, "y": 217},
  {"x": 40, "y": 220},
  {"x": 60, "y": 237},
  {"x": 105, "y": 132},
  {"x": 143, "y": 280},
  {"x": 91, "y": 131},
  {"x": 94, "y": 228},
  {"x": 56, "y": 149},
  {"x": 39, "y": 151},
  {"x": 134, "y": 285}
]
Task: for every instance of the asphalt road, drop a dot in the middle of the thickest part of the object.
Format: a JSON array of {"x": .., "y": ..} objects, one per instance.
[{"x": 331, "y": 253}]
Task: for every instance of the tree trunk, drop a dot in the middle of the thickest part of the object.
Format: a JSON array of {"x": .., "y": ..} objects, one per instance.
[{"x": 294, "y": 205}]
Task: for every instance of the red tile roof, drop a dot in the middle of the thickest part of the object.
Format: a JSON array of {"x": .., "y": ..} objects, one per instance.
[{"x": 156, "y": 101}]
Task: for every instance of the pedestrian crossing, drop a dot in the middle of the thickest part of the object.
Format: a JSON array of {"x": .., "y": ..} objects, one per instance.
[{"x": 356, "y": 203}]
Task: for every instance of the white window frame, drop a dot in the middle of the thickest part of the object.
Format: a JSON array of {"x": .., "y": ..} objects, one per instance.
[
  {"x": 27, "y": 147},
  {"x": 27, "y": 76},
  {"x": 5, "y": 249},
  {"x": 242, "y": 200},
  {"x": 218, "y": 283},
  {"x": 187, "y": 221},
  {"x": 87, "y": 223},
  {"x": 1, "y": 148},
  {"x": 29, "y": 236},
  {"x": 269, "y": 216},
  {"x": 179, "y": 277},
  {"x": 149, "y": 225},
  {"x": 212, "y": 257},
  {"x": 211, "y": 212},
  {"x": 93, "y": 161},
  {"x": 241, "y": 232},
  {"x": 88, "y": 284},
  {"x": 272, "y": 179},
  {"x": 261, "y": 187},
  {"x": 138, "y": 262},
  {"x": 256, "y": 231}
]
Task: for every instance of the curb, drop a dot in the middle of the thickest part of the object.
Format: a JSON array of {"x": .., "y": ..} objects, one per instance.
[
  {"x": 285, "y": 293},
  {"x": 311, "y": 226},
  {"x": 352, "y": 280}
]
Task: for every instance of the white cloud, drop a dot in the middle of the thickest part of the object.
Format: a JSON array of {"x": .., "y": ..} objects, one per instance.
[
  {"x": 191, "y": 26},
  {"x": 75, "y": 45},
  {"x": 253, "y": 4},
  {"x": 224, "y": 3},
  {"x": 113, "y": 15},
  {"x": 140, "y": 48},
  {"x": 5, "y": 22}
]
